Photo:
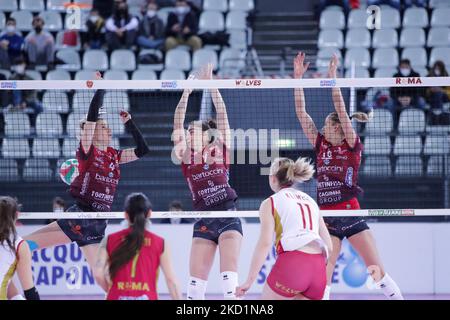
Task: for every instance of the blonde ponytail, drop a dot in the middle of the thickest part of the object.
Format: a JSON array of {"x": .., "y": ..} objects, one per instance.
[
  {"x": 303, "y": 169},
  {"x": 362, "y": 116},
  {"x": 288, "y": 172}
]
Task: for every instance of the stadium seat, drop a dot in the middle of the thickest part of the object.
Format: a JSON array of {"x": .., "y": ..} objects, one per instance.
[
  {"x": 381, "y": 123},
  {"x": 2, "y": 20},
  {"x": 439, "y": 4},
  {"x": 49, "y": 125},
  {"x": 439, "y": 37},
  {"x": 9, "y": 171},
  {"x": 415, "y": 17},
  {"x": 359, "y": 56},
  {"x": 59, "y": 42},
  {"x": 422, "y": 71},
  {"x": 238, "y": 39},
  {"x": 73, "y": 24},
  {"x": 95, "y": 60},
  {"x": 324, "y": 55},
  {"x": 357, "y": 19},
  {"x": 52, "y": 19},
  {"x": 385, "y": 38},
  {"x": 46, "y": 148},
  {"x": 85, "y": 75},
  {"x": 408, "y": 166},
  {"x": 436, "y": 166},
  {"x": 203, "y": 56},
  {"x": 390, "y": 18},
  {"x": 23, "y": 20},
  {"x": 231, "y": 61},
  {"x": 417, "y": 56},
  {"x": 156, "y": 67},
  {"x": 440, "y": 54},
  {"x": 73, "y": 123},
  {"x": 357, "y": 38},
  {"x": 81, "y": 101},
  {"x": 172, "y": 74},
  {"x": 236, "y": 20},
  {"x": 215, "y": 5},
  {"x": 332, "y": 19},
  {"x": 57, "y": 74},
  {"x": 17, "y": 124},
  {"x": 211, "y": 21},
  {"x": 6, "y": 73},
  {"x": 359, "y": 73},
  {"x": 115, "y": 75},
  {"x": 123, "y": 59},
  {"x": 440, "y": 18},
  {"x": 411, "y": 121},
  {"x": 436, "y": 145},
  {"x": 57, "y": 5},
  {"x": 412, "y": 37},
  {"x": 115, "y": 124},
  {"x": 244, "y": 5},
  {"x": 385, "y": 57},
  {"x": 56, "y": 102},
  {"x": 178, "y": 59},
  {"x": 144, "y": 75},
  {"x": 8, "y": 5},
  {"x": 33, "y": 74},
  {"x": 385, "y": 72},
  {"x": 37, "y": 170},
  {"x": 377, "y": 166},
  {"x": 163, "y": 13},
  {"x": 331, "y": 38},
  {"x": 407, "y": 145},
  {"x": 115, "y": 101},
  {"x": 71, "y": 60},
  {"x": 15, "y": 148},
  {"x": 70, "y": 147},
  {"x": 377, "y": 145}
]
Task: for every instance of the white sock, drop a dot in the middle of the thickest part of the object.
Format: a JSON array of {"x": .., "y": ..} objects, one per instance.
[
  {"x": 196, "y": 289},
  {"x": 326, "y": 293},
  {"x": 230, "y": 282},
  {"x": 389, "y": 288},
  {"x": 18, "y": 297}
]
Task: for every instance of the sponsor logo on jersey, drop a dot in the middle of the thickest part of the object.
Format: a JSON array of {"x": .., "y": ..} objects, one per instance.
[
  {"x": 349, "y": 177},
  {"x": 104, "y": 179},
  {"x": 207, "y": 174}
]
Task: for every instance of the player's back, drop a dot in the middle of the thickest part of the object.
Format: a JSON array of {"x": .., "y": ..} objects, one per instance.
[{"x": 137, "y": 279}]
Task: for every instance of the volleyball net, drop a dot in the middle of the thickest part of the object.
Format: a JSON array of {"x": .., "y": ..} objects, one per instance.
[{"x": 404, "y": 161}]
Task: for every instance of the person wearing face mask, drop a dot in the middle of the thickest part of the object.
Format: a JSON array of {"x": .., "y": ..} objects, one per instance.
[
  {"x": 59, "y": 206},
  {"x": 40, "y": 45},
  {"x": 151, "y": 29},
  {"x": 406, "y": 97},
  {"x": 11, "y": 44},
  {"x": 437, "y": 96},
  {"x": 182, "y": 27},
  {"x": 121, "y": 28},
  {"x": 94, "y": 25},
  {"x": 24, "y": 99}
]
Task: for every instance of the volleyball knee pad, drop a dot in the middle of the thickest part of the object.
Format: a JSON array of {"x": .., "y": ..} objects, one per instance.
[
  {"x": 196, "y": 289},
  {"x": 229, "y": 282}
]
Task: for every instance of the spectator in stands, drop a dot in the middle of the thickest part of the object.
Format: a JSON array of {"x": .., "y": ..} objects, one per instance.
[
  {"x": 151, "y": 29},
  {"x": 25, "y": 100},
  {"x": 11, "y": 44},
  {"x": 40, "y": 45},
  {"x": 94, "y": 25},
  {"x": 182, "y": 27},
  {"x": 397, "y": 3},
  {"x": 437, "y": 96},
  {"x": 345, "y": 4},
  {"x": 59, "y": 206},
  {"x": 121, "y": 28},
  {"x": 105, "y": 7},
  {"x": 176, "y": 206}
]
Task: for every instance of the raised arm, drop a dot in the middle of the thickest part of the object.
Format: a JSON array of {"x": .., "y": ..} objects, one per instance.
[
  {"x": 262, "y": 247},
  {"x": 307, "y": 123},
  {"x": 339, "y": 105},
  {"x": 141, "y": 149},
  {"x": 169, "y": 274}
]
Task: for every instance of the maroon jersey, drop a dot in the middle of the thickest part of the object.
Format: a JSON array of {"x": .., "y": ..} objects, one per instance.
[
  {"x": 98, "y": 177},
  {"x": 337, "y": 171},
  {"x": 137, "y": 279},
  {"x": 207, "y": 175}
]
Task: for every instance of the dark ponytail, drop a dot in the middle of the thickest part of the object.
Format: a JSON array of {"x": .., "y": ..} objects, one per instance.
[
  {"x": 137, "y": 206},
  {"x": 8, "y": 215}
]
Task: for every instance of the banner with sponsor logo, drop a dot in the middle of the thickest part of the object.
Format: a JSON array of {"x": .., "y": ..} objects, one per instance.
[{"x": 414, "y": 254}]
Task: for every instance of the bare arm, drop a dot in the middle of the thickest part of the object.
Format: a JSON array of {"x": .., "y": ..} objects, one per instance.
[
  {"x": 100, "y": 268},
  {"x": 339, "y": 105},
  {"x": 307, "y": 123},
  {"x": 324, "y": 234},
  {"x": 24, "y": 267},
  {"x": 262, "y": 247},
  {"x": 178, "y": 135},
  {"x": 169, "y": 274}
]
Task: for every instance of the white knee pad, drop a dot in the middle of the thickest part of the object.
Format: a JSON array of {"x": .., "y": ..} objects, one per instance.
[
  {"x": 196, "y": 289},
  {"x": 230, "y": 282}
]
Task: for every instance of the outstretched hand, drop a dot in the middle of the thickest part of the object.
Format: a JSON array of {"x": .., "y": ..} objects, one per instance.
[
  {"x": 332, "y": 68},
  {"x": 98, "y": 75},
  {"x": 300, "y": 67},
  {"x": 206, "y": 72},
  {"x": 124, "y": 116}
]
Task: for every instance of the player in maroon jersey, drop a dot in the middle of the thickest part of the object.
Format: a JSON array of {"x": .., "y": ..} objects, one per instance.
[
  {"x": 338, "y": 151},
  {"x": 204, "y": 156},
  {"x": 128, "y": 261},
  {"x": 94, "y": 188}
]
